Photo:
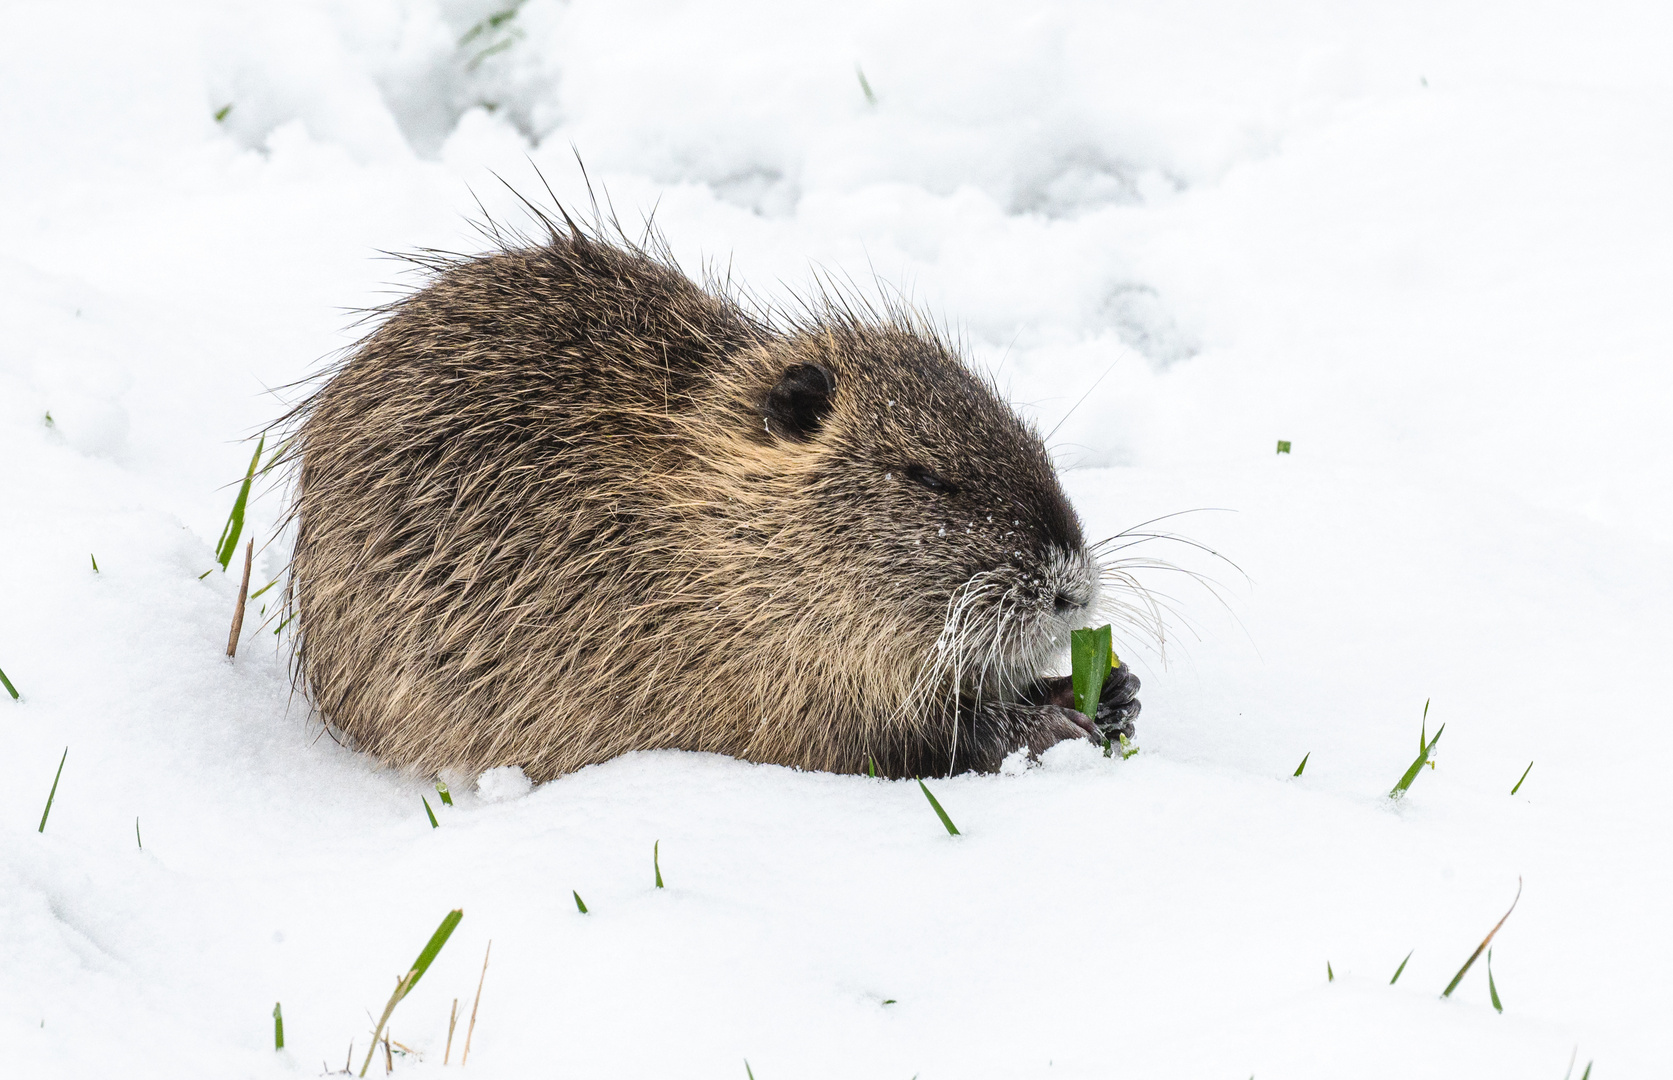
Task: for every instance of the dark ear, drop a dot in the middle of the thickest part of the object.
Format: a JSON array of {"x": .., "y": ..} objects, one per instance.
[{"x": 797, "y": 405}]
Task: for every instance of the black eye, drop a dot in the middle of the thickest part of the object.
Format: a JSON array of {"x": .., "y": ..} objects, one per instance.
[{"x": 931, "y": 479}]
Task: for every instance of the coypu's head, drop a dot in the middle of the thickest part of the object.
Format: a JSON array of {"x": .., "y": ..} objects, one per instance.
[{"x": 941, "y": 520}]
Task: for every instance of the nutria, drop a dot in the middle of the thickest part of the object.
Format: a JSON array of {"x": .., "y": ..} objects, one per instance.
[{"x": 562, "y": 503}]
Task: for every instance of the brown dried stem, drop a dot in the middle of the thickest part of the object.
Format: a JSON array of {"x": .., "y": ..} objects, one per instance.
[
  {"x": 243, "y": 597},
  {"x": 471, "y": 1030},
  {"x": 401, "y": 987}
]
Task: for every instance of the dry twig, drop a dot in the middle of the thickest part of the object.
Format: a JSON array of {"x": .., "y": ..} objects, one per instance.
[
  {"x": 471, "y": 1030},
  {"x": 243, "y": 597}
]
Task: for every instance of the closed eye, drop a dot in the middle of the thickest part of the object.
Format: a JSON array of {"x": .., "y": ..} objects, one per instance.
[{"x": 931, "y": 479}]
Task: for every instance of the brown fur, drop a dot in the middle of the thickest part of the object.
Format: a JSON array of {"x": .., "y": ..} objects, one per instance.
[{"x": 550, "y": 510}]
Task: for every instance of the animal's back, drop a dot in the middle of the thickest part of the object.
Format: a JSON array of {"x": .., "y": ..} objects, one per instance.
[{"x": 488, "y": 460}]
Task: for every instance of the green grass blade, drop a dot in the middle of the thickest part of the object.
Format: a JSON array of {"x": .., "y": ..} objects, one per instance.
[
  {"x": 437, "y": 940},
  {"x": 1405, "y": 781},
  {"x": 235, "y": 522},
  {"x": 1303, "y": 765},
  {"x": 656, "y": 861},
  {"x": 137, "y": 839},
  {"x": 1587, "y": 1075},
  {"x": 1400, "y": 969},
  {"x": 264, "y": 588},
  {"x": 871, "y": 767},
  {"x": 54, "y": 792},
  {"x": 446, "y": 795},
  {"x": 95, "y": 562},
  {"x": 221, "y": 113},
  {"x": 580, "y": 905},
  {"x": 278, "y": 1028},
  {"x": 1492, "y": 987},
  {"x": 865, "y": 86},
  {"x": 1329, "y": 975},
  {"x": 7, "y": 683},
  {"x": 952, "y": 830},
  {"x": 431, "y": 814},
  {"x": 1524, "y": 776},
  {"x": 749, "y": 1072},
  {"x": 1486, "y": 941},
  {"x": 1093, "y": 657},
  {"x": 404, "y": 986}
]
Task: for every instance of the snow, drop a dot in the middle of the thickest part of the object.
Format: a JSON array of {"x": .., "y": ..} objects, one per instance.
[{"x": 1428, "y": 243}]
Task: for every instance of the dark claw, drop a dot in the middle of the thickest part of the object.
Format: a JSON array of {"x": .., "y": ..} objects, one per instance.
[
  {"x": 1118, "y": 705},
  {"x": 1120, "y": 687},
  {"x": 1085, "y": 725}
]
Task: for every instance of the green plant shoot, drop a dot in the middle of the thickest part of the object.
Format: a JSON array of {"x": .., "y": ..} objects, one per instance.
[
  {"x": 228, "y": 545},
  {"x": 54, "y": 792},
  {"x": 1283, "y": 446},
  {"x": 1093, "y": 658},
  {"x": 446, "y": 795},
  {"x": 580, "y": 905},
  {"x": 1426, "y": 746},
  {"x": 278, "y": 1028},
  {"x": 1303, "y": 765},
  {"x": 656, "y": 861},
  {"x": 433, "y": 946},
  {"x": 429, "y": 813},
  {"x": 1400, "y": 969},
  {"x": 1492, "y": 988},
  {"x": 952, "y": 830},
  {"x": 1524, "y": 776},
  {"x": 7, "y": 683}
]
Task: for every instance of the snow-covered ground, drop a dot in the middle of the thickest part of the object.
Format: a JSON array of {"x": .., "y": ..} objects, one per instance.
[{"x": 1430, "y": 244}]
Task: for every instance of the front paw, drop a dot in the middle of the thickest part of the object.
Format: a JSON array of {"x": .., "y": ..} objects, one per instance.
[
  {"x": 1118, "y": 704},
  {"x": 1051, "y": 724}
]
